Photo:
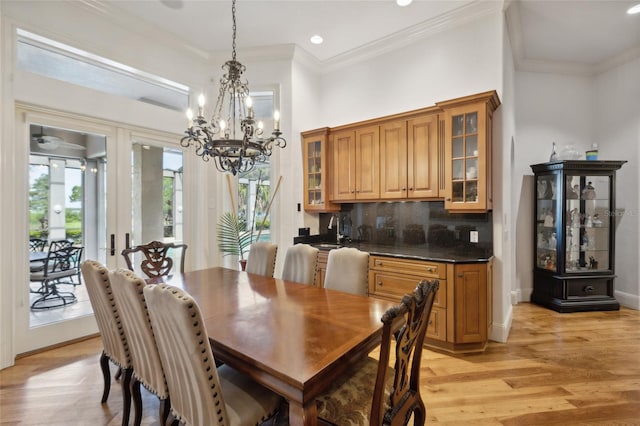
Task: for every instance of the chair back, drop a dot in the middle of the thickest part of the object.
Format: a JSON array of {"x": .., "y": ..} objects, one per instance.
[
  {"x": 185, "y": 352},
  {"x": 58, "y": 244},
  {"x": 96, "y": 278},
  {"x": 37, "y": 244},
  {"x": 262, "y": 258},
  {"x": 348, "y": 271},
  {"x": 145, "y": 359},
  {"x": 301, "y": 264},
  {"x": 413, "y": 312},
  {"x": 157, "y": 261},
  {"x": 63, "y": 262}
]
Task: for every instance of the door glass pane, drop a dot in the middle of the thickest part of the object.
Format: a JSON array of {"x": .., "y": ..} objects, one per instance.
[
  {"x": 157, "y": 202},
  {"x": 66, "y": 206}
]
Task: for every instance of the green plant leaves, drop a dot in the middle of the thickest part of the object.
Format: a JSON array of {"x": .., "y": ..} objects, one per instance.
[{"x": 233, "y": 238}]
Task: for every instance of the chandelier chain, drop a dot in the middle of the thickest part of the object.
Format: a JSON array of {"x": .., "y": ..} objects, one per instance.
[{"x": 233, "y": 14}]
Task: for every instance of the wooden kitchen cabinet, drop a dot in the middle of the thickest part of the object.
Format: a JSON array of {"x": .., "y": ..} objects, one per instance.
[
  {"x": 356, "y": 159},
  {"x": 409, "y": 158},
  {"x": 461, "y": 314},
  {"x": 321, "y": 271},
  {"x": 468, "y": 152},
  {"x": 316, "y": 176}
]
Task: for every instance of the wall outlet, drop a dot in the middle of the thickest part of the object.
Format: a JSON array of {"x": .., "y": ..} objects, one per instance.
[{"x": 473, "y": 236}]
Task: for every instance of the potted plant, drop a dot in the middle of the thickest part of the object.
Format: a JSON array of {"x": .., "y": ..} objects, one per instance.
[{"x": 233, "y": 236}]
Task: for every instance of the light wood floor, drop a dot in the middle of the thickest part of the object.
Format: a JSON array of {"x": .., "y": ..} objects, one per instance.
[{"x": 556, "y": 369}]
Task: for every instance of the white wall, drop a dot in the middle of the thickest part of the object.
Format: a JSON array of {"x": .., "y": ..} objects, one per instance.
[
  {"x": 455, "y": 63},
  {"x": 617, "y": 132},
  {"x": 581, "y": 110}
]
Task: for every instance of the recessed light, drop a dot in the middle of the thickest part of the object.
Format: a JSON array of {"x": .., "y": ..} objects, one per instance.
[
  {"x": 316, "y": 39},
  {"x": 403, "y": 3},
  {"x": 634, "y": 9}
]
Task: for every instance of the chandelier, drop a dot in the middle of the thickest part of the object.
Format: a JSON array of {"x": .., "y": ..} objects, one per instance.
[{"x": 232, "y": 150}]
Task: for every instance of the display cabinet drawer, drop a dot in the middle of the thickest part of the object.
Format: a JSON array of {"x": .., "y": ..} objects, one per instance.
[
  {"x": 394, "y": 286},
  {"x": 406, "y": 266},
  {"x": 589, "y": 288}
]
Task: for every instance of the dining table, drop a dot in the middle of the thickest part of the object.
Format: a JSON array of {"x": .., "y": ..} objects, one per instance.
[{"x": 294, "y": 339}]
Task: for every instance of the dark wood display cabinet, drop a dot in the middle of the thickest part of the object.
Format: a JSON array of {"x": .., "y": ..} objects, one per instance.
[{"x": 574, "y": 235}]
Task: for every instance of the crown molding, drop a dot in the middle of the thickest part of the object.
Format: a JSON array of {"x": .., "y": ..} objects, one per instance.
[
  {"x": 522, "y": 63},
  {"x": 446, "y": 21}
]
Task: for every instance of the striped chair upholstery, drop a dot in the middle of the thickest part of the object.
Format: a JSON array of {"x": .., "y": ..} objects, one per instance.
[
  {"x": 301, "y": 264},
  {"x": 262, "y": 258},
  {"x": 147, "y": 368},
  {"x": 114, "y": 342},
  {"x": 200, "y": 393}
]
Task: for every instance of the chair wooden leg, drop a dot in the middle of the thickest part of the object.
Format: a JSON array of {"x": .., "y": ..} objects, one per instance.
[
  {"x": 419, "y": 414},
  {"x": 118, "y": 374},
  {"x": 164, "y": 411},
  {"x": 126, "y": 395},
  {"x": 137, "y": 401},
  {"x": 106, "y": 375}
]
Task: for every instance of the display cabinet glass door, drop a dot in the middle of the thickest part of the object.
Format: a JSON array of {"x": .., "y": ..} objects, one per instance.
[
  {"x": 587, "y": 223},
  {"x": 464, "y": 158},
  {"x": 546, "y": 230},
  {"x": 315, "y": 194}
]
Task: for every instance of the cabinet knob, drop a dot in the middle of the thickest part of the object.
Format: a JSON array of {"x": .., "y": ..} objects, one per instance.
[
  {"x": 378, "y": 263},
  {"x": 588, "y": 289},
  {"x": 430, "y": 269},
  {"x": 461, "y": 275},
  {"x": 404, "y": 189},
  {"x": 410, "y": 188},
  {"x": 447, "y": 199},
  {"x": 379, "y": 284}
]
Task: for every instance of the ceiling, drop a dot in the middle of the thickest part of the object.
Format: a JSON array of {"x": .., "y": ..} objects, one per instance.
[{"x": 581, "y": 36}]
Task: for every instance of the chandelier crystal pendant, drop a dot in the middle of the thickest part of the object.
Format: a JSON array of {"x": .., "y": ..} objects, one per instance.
[{"x": 232, "y": 150}]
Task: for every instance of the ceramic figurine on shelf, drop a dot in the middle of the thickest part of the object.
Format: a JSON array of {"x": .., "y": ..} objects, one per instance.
[
  {"x": 548, "y": 220},
  {"x": 588, "y": 223},
  {"x": 571, "y": 193},
  {"x": 554, "y": 154},
  {"x": 589, "y": 192},
  {"x": 552, "y": 240},
  {"x": 573, "y": 222},
  {"x": 593, "y": 263},
  {"x": 596, "y": 221}
]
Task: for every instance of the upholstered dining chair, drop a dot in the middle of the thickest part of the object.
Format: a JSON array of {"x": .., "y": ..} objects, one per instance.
[
  {"x": 201, "y": 394},
  {"x": 348, "y": 271},
  {"x": 145, "y": 359},
  {"x": 157, "y": 261},
  {"x": 262, "y": 258},
  {"x": 114, "y": 342},
  {"x": 301, "y": 264},
  {"x": 375, "y": 393}
]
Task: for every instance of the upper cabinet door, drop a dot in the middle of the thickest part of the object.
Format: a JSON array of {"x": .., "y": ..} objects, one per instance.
[
  {"x": 393, "y": 160},
  {"x": 422, "y": 157},
  {"x": 344, "y": 165},
  {"x": 468, "y": 136},
  {"x": 367, "y": 163},
  {"x": 315, "y": 158}
]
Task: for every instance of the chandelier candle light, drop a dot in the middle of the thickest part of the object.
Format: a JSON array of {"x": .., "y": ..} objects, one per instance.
[{"x": 233, "y": 151}]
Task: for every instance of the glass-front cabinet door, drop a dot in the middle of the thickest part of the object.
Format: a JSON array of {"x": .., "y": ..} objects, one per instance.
[
  {"x": 574, "y": 235},
  {"x": 315, "y": 157}
]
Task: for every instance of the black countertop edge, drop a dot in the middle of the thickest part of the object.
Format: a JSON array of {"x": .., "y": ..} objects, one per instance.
[{"x": 463, "y": 254}]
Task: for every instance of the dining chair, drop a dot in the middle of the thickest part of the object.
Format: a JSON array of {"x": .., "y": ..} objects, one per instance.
[
  {"x": 145, "y": 359},
  {"x": 114, "y": 341},
  {"x": 301, "y": 264},
  {"x": 262, "y": 258},
  {"x": 375, "y": 393},
  {"x": 157, "y": 261},
  {"x": 58, "y": 244},
  {"x": 37, "y": 244},
  {"x": 348, "y": 271},
  {"x": 60, "y": 267},
  {"x": 201, "y": 394}
]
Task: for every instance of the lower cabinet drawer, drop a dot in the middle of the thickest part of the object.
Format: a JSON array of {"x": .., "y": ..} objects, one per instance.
[
  {"x": 589, "y": 288},
  {"x": 420, "y": 268},
  {"x": 437, "y": 328},
  {"x": 395, "y": 286}
]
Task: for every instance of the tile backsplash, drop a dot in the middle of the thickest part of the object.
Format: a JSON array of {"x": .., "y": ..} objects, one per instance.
[{"x": 411, "y": 223}]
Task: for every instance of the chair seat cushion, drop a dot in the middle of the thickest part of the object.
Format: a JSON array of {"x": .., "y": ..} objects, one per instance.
[
  {"x": 348, "y": 402},
  {"x": 247, "y": 402}
]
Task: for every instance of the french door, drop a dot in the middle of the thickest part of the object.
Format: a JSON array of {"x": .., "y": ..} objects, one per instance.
[{"x": 102, "y": 186}]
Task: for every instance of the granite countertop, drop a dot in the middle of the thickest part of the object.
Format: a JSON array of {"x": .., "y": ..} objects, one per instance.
[{"x": 457, "y": 254}]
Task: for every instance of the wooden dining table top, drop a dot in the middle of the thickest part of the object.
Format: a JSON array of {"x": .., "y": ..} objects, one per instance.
[{"x": 293, "y": 338}]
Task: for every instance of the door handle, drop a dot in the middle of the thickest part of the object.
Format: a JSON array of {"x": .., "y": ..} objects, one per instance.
[
  {"x": 113, "y": 245},
  {"x": 126, "y": 240}
]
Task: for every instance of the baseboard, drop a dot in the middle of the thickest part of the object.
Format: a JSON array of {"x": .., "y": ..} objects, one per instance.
[
  {"x": 516, "y": 297},
  {"x": 631, "y": 301},
  {"x": 500, "y": 332}
]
